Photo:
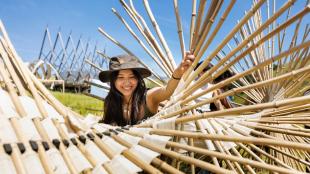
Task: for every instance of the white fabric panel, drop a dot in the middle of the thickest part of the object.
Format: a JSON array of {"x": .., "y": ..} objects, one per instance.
[
  {"x": 227, "y": 145},
  {"x": 206, "y": 107},
  {"x": 32, "y": 162},
  {"x": 232, "y": 132},
  {"x": 244, "y": 129},
  {"x": 50, "y": 128},
  {"x": 97, "y": 154},
  {"x": 129, "y": 138},
  {"x": 7, "y": 107},
  {"x": 91, "y": 120},
  {"x": 79, "y": 161},
  {"x": 216, "y": 125},
  {"x": 30, "y": 107},
  {"x": 7, "y": 134},
  {"x": 206, "y": 125},
  {"x": 168, "y": 123},
  {"x": 143, "y": 153},
  {"x": 223, "y": 122},
  {"x": 173, "y": 108},
  {"x": 159, "y": 140},
  {"x": 6, "y": 165},
  {"x": 189, "y": 126},
  {"x": 57, "y": 162},
  {"x": 253, "y": 116},
  {"x": 52, "y": 113},
  {"x": 140, "y": 130},
  {"x": 99, "y": 170},
  {"x": 98, "y": 127},
  {"x": 77, "y": 122},
  {"x": 29, "y": 129},
  {"x": 119, "y": 164},
  {"x": 115, "y": 146}
]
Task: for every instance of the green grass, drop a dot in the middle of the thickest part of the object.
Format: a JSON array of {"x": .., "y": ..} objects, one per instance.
[{"x": 80, "y": 103}]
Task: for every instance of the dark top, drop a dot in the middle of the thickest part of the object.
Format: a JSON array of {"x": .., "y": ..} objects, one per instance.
[{"x": 147, "y": 112}]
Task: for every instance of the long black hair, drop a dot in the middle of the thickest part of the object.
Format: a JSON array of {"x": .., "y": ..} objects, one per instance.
[{"x": 113, "y": 103}]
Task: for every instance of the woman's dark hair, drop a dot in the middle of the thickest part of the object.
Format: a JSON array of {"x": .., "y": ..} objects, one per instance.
[
  {"x": 113, "y": 103},
  {"x": 209, "y": 66}
]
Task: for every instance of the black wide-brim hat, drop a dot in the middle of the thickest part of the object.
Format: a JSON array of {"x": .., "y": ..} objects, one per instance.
[{"x": 123, "y": 62}]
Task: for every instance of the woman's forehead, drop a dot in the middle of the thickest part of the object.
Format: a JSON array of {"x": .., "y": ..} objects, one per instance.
[{"x": 126, "y": 72}]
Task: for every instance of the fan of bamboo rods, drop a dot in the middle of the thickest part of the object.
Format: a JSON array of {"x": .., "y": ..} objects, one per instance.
[{"x": 265, "y": 131}]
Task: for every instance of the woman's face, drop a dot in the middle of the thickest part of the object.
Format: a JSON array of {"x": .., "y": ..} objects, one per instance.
[{"x": 126, "y": 82}]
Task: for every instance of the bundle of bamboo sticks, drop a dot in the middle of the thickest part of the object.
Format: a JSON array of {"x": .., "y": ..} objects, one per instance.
[
  {"x": 264, "y": 131},
  {"x": 267, "y": 53}
]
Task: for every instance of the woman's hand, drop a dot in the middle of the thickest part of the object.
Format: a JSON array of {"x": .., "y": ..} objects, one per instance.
[{"x": 184, "y": 65}]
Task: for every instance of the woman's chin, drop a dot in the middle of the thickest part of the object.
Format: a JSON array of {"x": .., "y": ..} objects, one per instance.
[{"x": 127, "y": 93}]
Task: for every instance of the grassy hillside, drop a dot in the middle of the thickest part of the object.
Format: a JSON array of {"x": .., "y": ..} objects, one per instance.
[{"x": 80, "y": 103}]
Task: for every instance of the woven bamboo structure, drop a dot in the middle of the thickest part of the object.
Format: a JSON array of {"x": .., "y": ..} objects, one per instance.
[{"x": 264, "y": 132}]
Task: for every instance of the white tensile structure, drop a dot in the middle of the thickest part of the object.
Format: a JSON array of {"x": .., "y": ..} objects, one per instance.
[{"x": 264, "y": 133}]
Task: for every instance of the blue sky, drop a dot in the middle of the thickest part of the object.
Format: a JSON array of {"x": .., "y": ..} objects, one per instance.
[{"x": 25, "y": 21}]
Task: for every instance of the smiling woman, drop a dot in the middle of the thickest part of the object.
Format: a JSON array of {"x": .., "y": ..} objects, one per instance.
[{"x": 128, "y": 101}]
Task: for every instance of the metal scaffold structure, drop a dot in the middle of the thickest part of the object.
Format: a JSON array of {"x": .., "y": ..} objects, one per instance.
[{"x": 60, "y": 59}]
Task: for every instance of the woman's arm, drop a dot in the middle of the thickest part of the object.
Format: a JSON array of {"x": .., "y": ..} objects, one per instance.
[{"x": 159, "y": 94}]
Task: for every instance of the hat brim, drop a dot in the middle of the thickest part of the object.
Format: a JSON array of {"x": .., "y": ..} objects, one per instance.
[{"x": 104, "y": 76}]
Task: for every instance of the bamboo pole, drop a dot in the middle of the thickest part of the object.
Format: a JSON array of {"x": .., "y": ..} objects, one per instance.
[
  {"x": 164, "y": 67},
  {"x": 179, "y": 25},
  {"x": 201, "y": 9},
  {"x": 159, "y": 33},
  {"x": 192, "y": 27}
]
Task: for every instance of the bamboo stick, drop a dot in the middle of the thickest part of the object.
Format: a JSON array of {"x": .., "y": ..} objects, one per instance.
[
  {"x": 179, "y": 25},
  {"x": 192, "y": 27},
  {"x": 162, "y": 66},
  {"x": 201, "y": 9},
  {"x": 159, "y": 33}
]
